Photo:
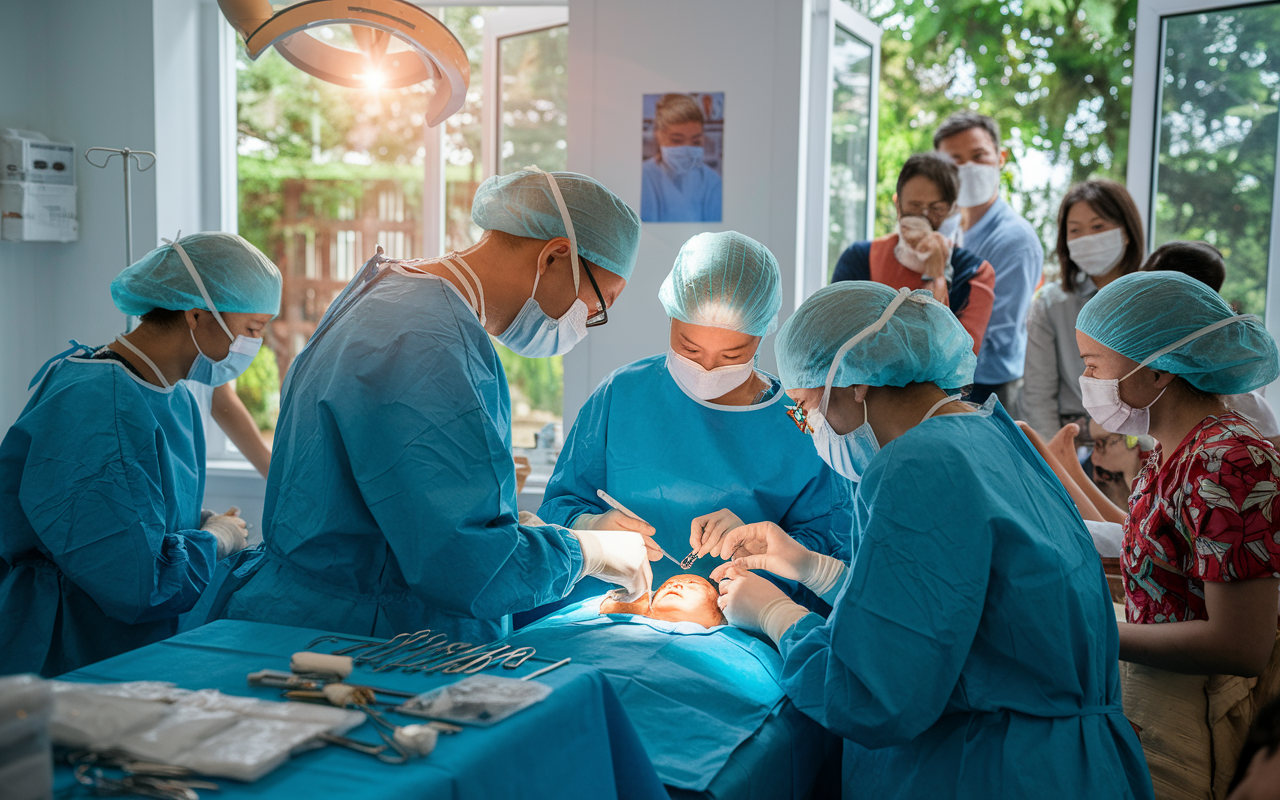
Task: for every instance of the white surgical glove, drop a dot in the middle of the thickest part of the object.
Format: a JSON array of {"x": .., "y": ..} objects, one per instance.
[
  {"x": 230, "y": 531},
  {"x": 751, "y": 602},
  {"x": 763, "y": 545},
  {"x": 615, "y": 520},
  {"x": 617, "y": 557},
  {"x": 708, "y": 531},
  {"x": 530, "y": 518}
]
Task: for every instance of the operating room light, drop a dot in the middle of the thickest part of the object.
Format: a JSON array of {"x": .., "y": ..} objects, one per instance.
[{"x": 432, "y": 52}]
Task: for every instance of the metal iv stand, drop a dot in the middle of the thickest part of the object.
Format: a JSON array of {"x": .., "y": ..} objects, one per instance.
[{"x": 125, "y": 154}]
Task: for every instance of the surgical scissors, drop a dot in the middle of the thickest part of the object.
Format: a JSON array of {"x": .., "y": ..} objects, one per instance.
[{"x": 411, "y": 651}]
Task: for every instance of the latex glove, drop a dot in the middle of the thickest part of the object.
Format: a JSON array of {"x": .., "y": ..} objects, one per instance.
[
  {"x": 615, "y": 520},
  {"x": 530, "y": 518},
  {"x": 763, "y": 545},
  {"x": 617, "y": 557},
  {"x": 231, "y": 532},
  {"x": 707, "y": 531},
  {"x": 753, "y": 603}
]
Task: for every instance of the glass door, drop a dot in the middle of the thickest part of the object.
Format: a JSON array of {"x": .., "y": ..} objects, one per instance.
[
  {"x": 1206, "y": 140},
  {"x": 839, "y": 184}
]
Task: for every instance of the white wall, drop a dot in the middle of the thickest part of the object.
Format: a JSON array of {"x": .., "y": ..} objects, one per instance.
[{"x": 620, "y": 50}]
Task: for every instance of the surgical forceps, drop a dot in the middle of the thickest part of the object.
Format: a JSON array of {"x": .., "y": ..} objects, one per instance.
[{"x": 409, "y": 649}]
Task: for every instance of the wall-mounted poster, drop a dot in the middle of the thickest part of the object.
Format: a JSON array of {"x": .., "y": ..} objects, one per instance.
[{"x": 682, "y": 152}]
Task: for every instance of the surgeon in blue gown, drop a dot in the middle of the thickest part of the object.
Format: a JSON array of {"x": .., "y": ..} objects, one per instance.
[
  {"x": 102, "y": 540},
  {"x": 972, "y": 649},
  {"x": 697, "y": 439},
  {"x": 391, "y": 501}
]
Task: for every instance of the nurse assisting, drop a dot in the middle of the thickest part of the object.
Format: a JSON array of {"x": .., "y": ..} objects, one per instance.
[{"x": 936, "y": 665}]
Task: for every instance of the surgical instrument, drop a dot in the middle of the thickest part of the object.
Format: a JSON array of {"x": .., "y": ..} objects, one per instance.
[
  {"x": 620, "y": 507},
  {"x": 545, "y": 670}
]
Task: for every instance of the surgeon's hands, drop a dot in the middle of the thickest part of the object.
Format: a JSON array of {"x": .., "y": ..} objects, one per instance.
[
  {"x": 763, "y": 545},
  {"x": 617, "y": 557},
  {"x": 708, "y": 531},
  {"x": 751, "y": 602},
  {"x": 230, "y": 530},
  {"x": 615, "y": 520}
]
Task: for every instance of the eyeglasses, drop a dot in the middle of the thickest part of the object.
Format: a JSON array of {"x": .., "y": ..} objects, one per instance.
[
  {"x": 602, "y": 314},
  {"x": 938, "y": 209}
]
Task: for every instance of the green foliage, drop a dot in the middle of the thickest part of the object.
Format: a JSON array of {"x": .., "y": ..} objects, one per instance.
[
  {"x": 540, "y": 380},
  {"x": 259, "y": 389},
  {"x": 1217, "y": 159},
  {"x": 1056, "y": 74}
]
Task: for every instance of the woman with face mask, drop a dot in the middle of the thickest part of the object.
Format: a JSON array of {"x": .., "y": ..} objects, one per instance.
[
  {"x": 103, "y": 543},
  {"x": 391, "y": 501},
  {"x": 1099, "y": 239},
  {"x": 697, "y": 439},
  {"x": 972, "y": 634},
  {"x": 676, "y": 185},
  {"x": 1200, "y": 556}
]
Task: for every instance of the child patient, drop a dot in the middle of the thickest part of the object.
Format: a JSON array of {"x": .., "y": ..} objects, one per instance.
[{"x": 683, "y": 598}]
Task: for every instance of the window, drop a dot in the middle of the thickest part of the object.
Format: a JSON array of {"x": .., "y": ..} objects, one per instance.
[
  {"x": 326, "y": 173},
  {"x": 1215, "y": 164},
  {"x": 852, "y": 181}
]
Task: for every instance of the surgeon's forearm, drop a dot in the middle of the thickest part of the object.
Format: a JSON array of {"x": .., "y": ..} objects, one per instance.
[{"x": 237, "y": 423}]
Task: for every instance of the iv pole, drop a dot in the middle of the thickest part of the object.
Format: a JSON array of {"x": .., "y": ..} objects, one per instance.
[{"x": 125, "y": 154}]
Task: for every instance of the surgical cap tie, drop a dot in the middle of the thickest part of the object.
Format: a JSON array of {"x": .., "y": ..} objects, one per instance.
[
  {"x": 1191, "y": 337},
  {"x": 568, "y": 227},
  {"x": 903, "y": 294},
  {"x": 200, "y": 285}
]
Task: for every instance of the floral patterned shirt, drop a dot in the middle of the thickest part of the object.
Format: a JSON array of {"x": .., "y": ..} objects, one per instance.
[{"x": 1210, "y": 513}]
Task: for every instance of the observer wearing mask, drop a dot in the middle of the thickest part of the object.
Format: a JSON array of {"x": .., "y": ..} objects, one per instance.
[{"x": 987, "y": 227}]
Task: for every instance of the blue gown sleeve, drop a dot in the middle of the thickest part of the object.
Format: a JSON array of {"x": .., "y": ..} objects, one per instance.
[
  {"x": 650, "y": 208},
  {"x": 94, "y": 495},
  {"x": 880, "y": 670},
  {"x": 854, "y": 263},
  {"x": 713, "y": 199},
  {"x": 581, "y": 469},
  {"x": 821, "y": 518},
  {"x": 437, "y": 475}
]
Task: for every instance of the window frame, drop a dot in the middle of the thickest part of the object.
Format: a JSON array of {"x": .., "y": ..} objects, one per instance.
[
  {"x": 1144, "y": 115},
  {"x": 826, "y": 16}
]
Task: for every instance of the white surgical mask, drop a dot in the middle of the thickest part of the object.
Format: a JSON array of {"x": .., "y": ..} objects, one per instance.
[
  {"x": 241, "y": 353},
  {"x": 1101, "y": 396},
  {"x": 533, "y": 332},
  {"x": 707, "y": 384},
  {"x": 978, "y": 184},
  {"x": 1097, "y": 253},
  {"x": 682, "y": 159}
]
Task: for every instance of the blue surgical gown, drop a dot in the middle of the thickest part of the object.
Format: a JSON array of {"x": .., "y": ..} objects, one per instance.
[
  {"x": 973, "y": 651},
  {"x": 670, "y": 457},
  {"x": 101, "y": 480},
  {"x": 391, "y": 499},
  {"x": 693, "y": 196}
]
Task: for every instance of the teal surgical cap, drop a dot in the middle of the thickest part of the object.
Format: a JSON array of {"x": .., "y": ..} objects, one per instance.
[
  {"x": 522, "y": 204},
  {"x": 238, "y": 277},
  {"x": 724, "y": 280},
  {"x": 1141, "y": 314},
  {"x": 921, "y": 342}
]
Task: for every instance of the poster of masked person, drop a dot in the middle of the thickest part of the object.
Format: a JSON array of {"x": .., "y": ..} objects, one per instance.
[{"x": 682, "y": 153}]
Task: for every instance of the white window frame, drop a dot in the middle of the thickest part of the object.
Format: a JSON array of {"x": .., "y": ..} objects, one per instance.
[
  {"x": 811, "y": 272},
  {"x": 1144, "y": 135}
]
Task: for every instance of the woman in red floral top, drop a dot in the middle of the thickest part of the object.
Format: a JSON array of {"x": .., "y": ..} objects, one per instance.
[{"x": 1201, "y": 550}]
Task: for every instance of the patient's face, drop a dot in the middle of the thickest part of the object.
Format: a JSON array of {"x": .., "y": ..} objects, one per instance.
[{"x": 687, "y": 598}]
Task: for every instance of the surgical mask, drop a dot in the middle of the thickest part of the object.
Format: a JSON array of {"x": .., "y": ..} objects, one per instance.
[
  {"x": 243, "y": 348},
  {"x": 1101, "y": 396},
  {"x": 534, "y": 333},
  {"x": 978, "y": 184},
  {"x": 682, "y": 159},
  {"x": 1097, "y": 253},
  {"x": 707, "y": 384}
]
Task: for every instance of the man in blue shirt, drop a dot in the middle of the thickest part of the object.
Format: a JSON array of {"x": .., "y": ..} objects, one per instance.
[{"x": 995, "y": 233}]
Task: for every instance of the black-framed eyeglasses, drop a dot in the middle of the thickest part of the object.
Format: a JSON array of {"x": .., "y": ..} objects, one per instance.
[{"x": 602, "y": 314}]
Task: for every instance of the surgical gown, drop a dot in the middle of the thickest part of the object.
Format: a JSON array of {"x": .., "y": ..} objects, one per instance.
[
  {"x": 973, "y": 650},
  {"x": 101, "y": 480},
  {"x": 670, "y": 457},
  {"x": 390, "y": 502},
  {"x": 693, "y": 196}
]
